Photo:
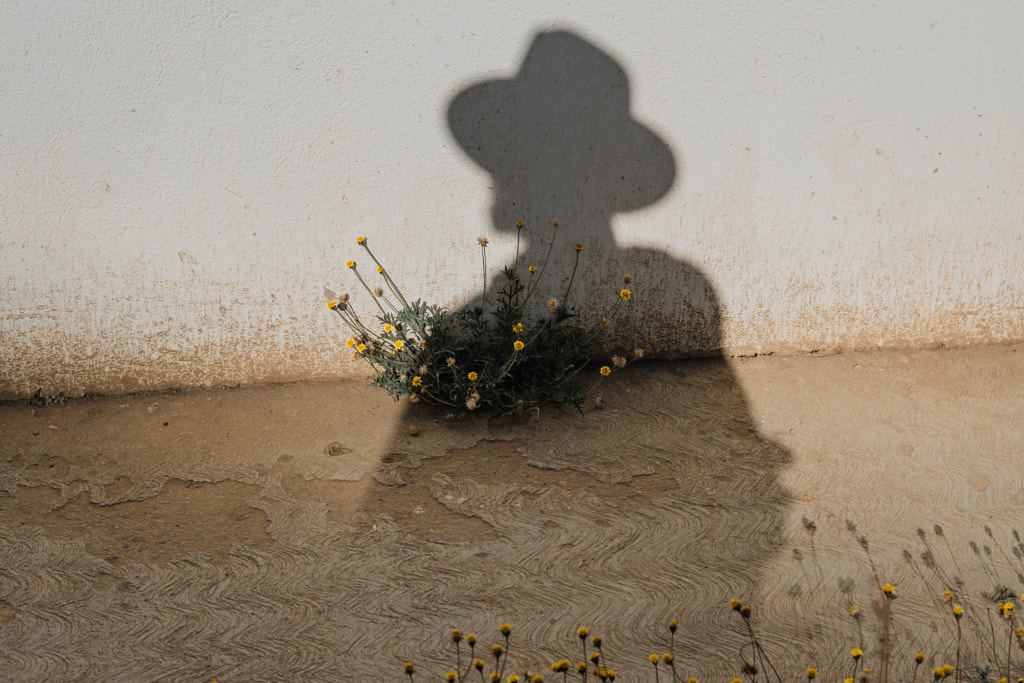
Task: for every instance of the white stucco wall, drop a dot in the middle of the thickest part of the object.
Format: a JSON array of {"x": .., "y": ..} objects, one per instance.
[{"x": 180, "y": 183}]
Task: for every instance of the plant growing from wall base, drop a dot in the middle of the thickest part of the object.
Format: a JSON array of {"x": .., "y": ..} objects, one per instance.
[{"x": 494, "y": 354}]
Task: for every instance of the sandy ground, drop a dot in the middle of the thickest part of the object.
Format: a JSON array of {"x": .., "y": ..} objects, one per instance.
[{"x": 321, "y": 532}]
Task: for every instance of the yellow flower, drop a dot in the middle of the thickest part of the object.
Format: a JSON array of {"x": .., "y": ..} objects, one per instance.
[
  {"x": 594, "y": 656},
  {"x": 947, "y": 669},
  {"x": 360, "y": 240},
  {"x": 691, "y": 680},
  {"x": 505, "y": 629},
  {"x": 673, "y": 625},
  {"x": 470, "y": 638},
  {"x": 361, "y": 348},
  {"x": 513, "y": 679},
  {"x": 399, "y": 344},
  {"x": 350, "y": 343},
  {"x": 578, "y": 246},
  {"x": 552, "y": 303},
  {"x": 379, "y": 270},
  {"x": 537, "y": 679},
  {"x": 350, "y": 264},
  {"x": 605, "y": 370},
  {"x": 856, "y": 653},
  {"x": 409, "y": 668},
  {"x": 418, "y": 381},
  {"x": 518, "y": 346},
  {"x": 582, "y": 633},
  {"x": 332, "y": 304},
  {"x": 919, "y": 657},
  {"x": 627, "y": 278},
  {"x": 450, "y": 676},
  {"x": 497, "y": 650},
  {"x": 812, "y": 673},
  {"x": 596, "y": 640},
  {"x": 518, "y": 327},
  {"x": 519, "y": 224},
  {"x": 958, "y": 611},
  {"x": 889, "y": 590},
  {"x": 668, "y": 659},
  {"x": 482, "y": 240},
  {"x": 478, "y": 664},
  {"x": 626, "y": 294},
  {"x": 494, "y": 678},
  {"x": 387, "y": 329},
  {"x": 472, "y": 376},
  {"x": 654, "y": 659},
  {"x": 734, "y": 604},
  {"x": 736, "y": 680},
  {"x": 639, "y": 353},
  {"x": 581, "y": 667},
  {"x": 532, "y": 269}
]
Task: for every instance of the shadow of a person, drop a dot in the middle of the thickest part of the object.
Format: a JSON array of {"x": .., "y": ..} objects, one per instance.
[
  {"x": 560, "y": 142},
  {"x": 663, "y": 506}
]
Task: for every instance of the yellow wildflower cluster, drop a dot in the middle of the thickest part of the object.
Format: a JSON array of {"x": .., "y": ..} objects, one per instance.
[{"x": 406, "y": 362}]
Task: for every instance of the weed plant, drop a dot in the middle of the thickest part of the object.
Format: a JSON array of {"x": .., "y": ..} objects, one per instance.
[
  {"x": 986, "y": 619},
  {"x": 492, "y": 355}
]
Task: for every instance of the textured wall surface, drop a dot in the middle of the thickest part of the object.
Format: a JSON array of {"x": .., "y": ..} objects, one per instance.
[{"x": 180, "y": 185}]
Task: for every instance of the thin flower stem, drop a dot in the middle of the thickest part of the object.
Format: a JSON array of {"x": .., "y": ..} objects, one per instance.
[
  {"x": 543, "y": 266},
  {"x": 483, "y": 250},
  {"x": 504, "y": 660},
  {"x": 1009, "y": 646},
  {"x": 958, "y": 636},
  {"x": 519, "y": 232},
  {"x": 572, "y": 278}
]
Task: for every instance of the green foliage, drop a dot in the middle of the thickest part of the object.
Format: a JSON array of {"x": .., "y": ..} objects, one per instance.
[
  {"x": 491, "y": 355},
  {"x": 983, "y": 674}
]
